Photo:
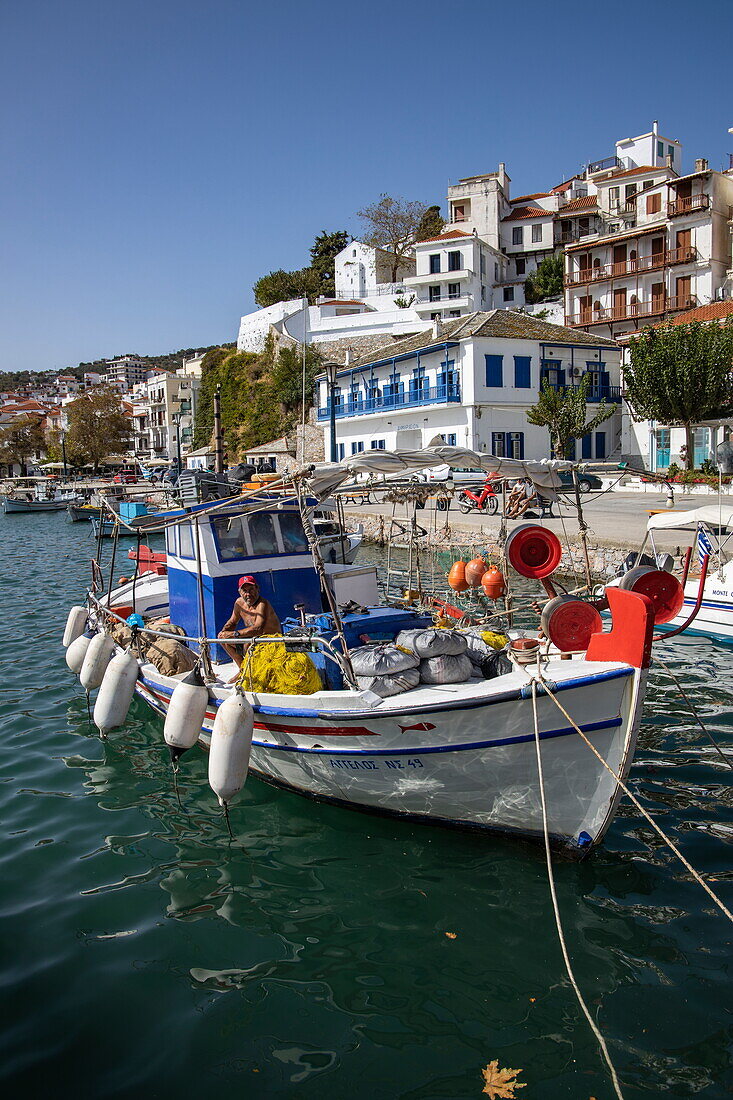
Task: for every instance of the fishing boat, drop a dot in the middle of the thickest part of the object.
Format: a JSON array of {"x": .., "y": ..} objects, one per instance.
[
  {"x": 450, "y": 752},
  {"x": 706, "y": 604},
  {"x": 39, "y": 501}
]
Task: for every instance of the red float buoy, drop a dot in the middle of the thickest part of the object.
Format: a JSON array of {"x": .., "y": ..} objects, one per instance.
[
  {"x": 457, "y": 576},
  {"x": 533, "y": 551},
  {"x": 662, "y": 588},
  {"x": 493, "y": 583},
  {"x": 475, "y": 571},
  {"x": 569, "y": 623}
]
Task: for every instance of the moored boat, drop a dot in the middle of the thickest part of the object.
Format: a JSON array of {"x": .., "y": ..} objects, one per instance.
[{"x": 453, "y": 752}]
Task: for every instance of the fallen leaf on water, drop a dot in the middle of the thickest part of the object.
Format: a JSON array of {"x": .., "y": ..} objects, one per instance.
[
  {"x": 451, "y": 935},
  {"x": 500, "y": 1084}
]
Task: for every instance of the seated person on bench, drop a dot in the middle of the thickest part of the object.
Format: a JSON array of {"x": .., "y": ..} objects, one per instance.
[{"x": 520, "y": 498}]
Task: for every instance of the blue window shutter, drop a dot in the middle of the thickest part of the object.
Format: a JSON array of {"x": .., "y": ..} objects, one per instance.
[
  {"x": 600, "y": 444},
  {"x": 521, "y": 444},
  {"x": 587, "y": 446},
  {"x": 494, "y": 371},
  {"x": 522, "y": 371}
]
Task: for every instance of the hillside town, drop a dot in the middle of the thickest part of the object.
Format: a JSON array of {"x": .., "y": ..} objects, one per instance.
[{"x": 445, "y": 342}]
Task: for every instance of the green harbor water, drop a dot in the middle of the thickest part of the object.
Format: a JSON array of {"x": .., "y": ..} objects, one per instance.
[{"x": 326, "y": 952}]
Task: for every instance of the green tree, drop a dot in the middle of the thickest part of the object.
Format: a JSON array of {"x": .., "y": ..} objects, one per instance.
[
  {"x": 563, "y": 411},
  {"x": 20, "y": 441},
  {"x": 547, "y": 281},
  {"x": 432, "y": 224},
  {"x": 680, "y": 375},
  {"x": 260, "y": 393},
  {"x": 97, "y": 426},
  {"x": 324, "y": 251},
  {"x": 391, "y": 224},
  {"x": 283, "y": 286}
]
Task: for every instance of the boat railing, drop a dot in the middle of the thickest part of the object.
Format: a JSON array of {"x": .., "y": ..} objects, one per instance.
[{"x": 299, "y": 643}]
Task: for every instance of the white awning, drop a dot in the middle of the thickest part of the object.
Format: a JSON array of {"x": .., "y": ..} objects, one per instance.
[
  {"x": 711, "y": 514},
  {"x": 393, "y": 465}
]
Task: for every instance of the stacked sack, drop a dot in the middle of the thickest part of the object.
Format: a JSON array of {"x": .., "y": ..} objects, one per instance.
[
  {"x": 442, "y": 653},
  {"x": 486, "y": 649},
  {"x": 385, "y": 669}
]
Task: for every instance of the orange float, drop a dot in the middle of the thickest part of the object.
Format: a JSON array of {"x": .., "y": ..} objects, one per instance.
[
  {"x": 475, "y": 571},
  {"x": 493, "y": 583},
  {"x": 533, "y": 551},
  {"x": 457, "y": 577}
]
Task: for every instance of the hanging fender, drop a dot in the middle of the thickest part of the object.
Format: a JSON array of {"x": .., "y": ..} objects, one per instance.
[{"x": 231, "y": 743}]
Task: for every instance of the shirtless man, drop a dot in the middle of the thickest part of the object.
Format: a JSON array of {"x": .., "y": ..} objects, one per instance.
[{"x": 257, "y": 614}]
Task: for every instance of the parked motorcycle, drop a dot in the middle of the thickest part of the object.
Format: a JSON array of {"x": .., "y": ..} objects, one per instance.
[{"x": 484, "y": 500}]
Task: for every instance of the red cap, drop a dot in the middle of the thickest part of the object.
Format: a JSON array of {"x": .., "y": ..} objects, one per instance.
[{"x": 249, "y": 579}]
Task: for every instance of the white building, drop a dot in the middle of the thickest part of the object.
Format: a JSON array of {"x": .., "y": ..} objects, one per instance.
[
  {"x": 164, "y": 408},
  {"x": 126, "y": 372},
  {"x": 471, "y": 380},
  {"x": 455, "y": 273}
]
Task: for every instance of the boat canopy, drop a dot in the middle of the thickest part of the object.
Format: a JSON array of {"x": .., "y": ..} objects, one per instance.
[
  {"x": 328, "y": 476},
  {"x": 713, "y": 515}
]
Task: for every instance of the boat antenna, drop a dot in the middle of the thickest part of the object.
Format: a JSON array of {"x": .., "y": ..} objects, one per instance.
[
  {"x": 218, "y": 441},
  {"x": 302, "y": 395}
]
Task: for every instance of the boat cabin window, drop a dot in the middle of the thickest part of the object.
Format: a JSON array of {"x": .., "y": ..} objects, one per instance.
[
  {"x": 170, "y": 541},
  {"x": 262, "y": 534},
  {"x": 230, "y": 538},
  {"x": 293, "y": 536},
  {"x": 185, "y": 541}
]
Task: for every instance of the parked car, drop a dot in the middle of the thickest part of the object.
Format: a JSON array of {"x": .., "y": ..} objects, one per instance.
[
  {"x": 586, "y": 482},
  {"x": 125, "y": 479}
]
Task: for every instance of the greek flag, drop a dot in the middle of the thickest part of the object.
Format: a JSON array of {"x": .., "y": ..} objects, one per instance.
[{"x": 704, "y": 545}]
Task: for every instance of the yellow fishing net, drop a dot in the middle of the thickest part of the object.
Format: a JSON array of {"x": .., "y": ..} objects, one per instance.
[
  {"x": 496, "y": 641},
  {"x": 271, "y": 667}
]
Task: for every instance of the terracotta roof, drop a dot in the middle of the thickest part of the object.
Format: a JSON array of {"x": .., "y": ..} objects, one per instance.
[
  {"x": 584, "y": 202},
  {"x": 505, "y": 324},
  {"x": 342, "y": 302},
  {"x": 451, "y": 235},
  {"x": 611, "y": 238},
  {"x": 527, "y": 212},
  {"x": 713, "y": 311},
  {"x": 643, "y": 169},
  {"x": 526, "y": 198}
]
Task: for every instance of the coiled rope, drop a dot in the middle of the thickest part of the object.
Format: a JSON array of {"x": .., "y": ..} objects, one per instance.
[{"x": 556, "y": 909}]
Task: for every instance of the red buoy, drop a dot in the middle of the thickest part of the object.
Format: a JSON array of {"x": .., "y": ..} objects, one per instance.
[
  {"x": 569, "y": 623},
  {"x": 533, "y": 551},
  {"x": 662, "y": 588},
  {"x": 475, "y": 571},
  {"x": 493, "y": 583},
  {"x": 457, "y": 576}
]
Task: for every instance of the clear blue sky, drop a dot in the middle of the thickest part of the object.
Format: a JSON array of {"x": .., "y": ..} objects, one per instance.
[{"x": 158, "y": 156}]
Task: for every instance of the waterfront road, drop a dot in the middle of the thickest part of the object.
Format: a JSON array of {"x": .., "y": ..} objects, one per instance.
[{"x": 614, "y": 518}]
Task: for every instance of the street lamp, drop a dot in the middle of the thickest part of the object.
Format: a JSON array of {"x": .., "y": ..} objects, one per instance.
[{"x": 331, "y": 370}]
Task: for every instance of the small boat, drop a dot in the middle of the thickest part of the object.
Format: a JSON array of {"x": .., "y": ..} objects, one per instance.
[
  {"x": 450, "y": 752},
  {"x": 36, "y": 502},
  {"x": 707, "y": 609},
  {"x": 337, "y": 544},
  {"x": 83, "y": 512}
]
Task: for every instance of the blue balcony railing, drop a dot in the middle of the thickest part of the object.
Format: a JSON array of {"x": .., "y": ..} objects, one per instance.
[
  {"x": 595, "y": 393},
  {"x": 361, "y": 406}
]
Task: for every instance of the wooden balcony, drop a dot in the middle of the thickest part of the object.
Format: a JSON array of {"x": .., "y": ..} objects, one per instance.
[
  {"x": 630, "y": 311},
  {"x": 687, "y": 205},
  {"x": 631, "y": 267}
]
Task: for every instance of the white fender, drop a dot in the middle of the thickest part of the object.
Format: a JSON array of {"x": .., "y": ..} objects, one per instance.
[
  {"x": 186, "y": 713},
  {"x": 77, "y": 651},
  {"x": 231, "y": 742},
  {"x": 75, "y": 625},
  {"x": 116, "y": 692},
  {"x": 96, "y": 660}
]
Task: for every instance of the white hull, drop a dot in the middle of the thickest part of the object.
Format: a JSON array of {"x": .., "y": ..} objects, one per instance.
[
  {"x": 12, "y": 505},
  {"x": 715, "y": 617},
  {"x": 459, "y": 754}
]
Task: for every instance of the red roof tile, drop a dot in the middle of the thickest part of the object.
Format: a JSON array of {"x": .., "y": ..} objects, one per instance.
[
  {"x": 451, "y": 235},
  {"x": 584, "y": 202},
  {"x": 713, "y": 311},
  {"x": 342, "y": 302},
  {"x": 527, "y": 212},
  {"x": 527, "y": 198},
  {"x": 643, "y": 169}
]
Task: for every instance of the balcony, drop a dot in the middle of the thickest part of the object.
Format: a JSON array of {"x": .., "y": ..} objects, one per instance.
[
  {"x": 687, "y": 205},
  {"x": 361, "y": 406},
  {"x": 630, "y": 311},
  {"x": 595, "y": 393},
  {"x": 604, "y": 165},
  {"x": 631, "y": 267}
]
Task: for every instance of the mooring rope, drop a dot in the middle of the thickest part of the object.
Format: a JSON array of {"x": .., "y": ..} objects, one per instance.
[
  {"x": 556, "y": 909},
  {"x": 694, "y": 713},
  {"x": 695, "y": 875}
]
